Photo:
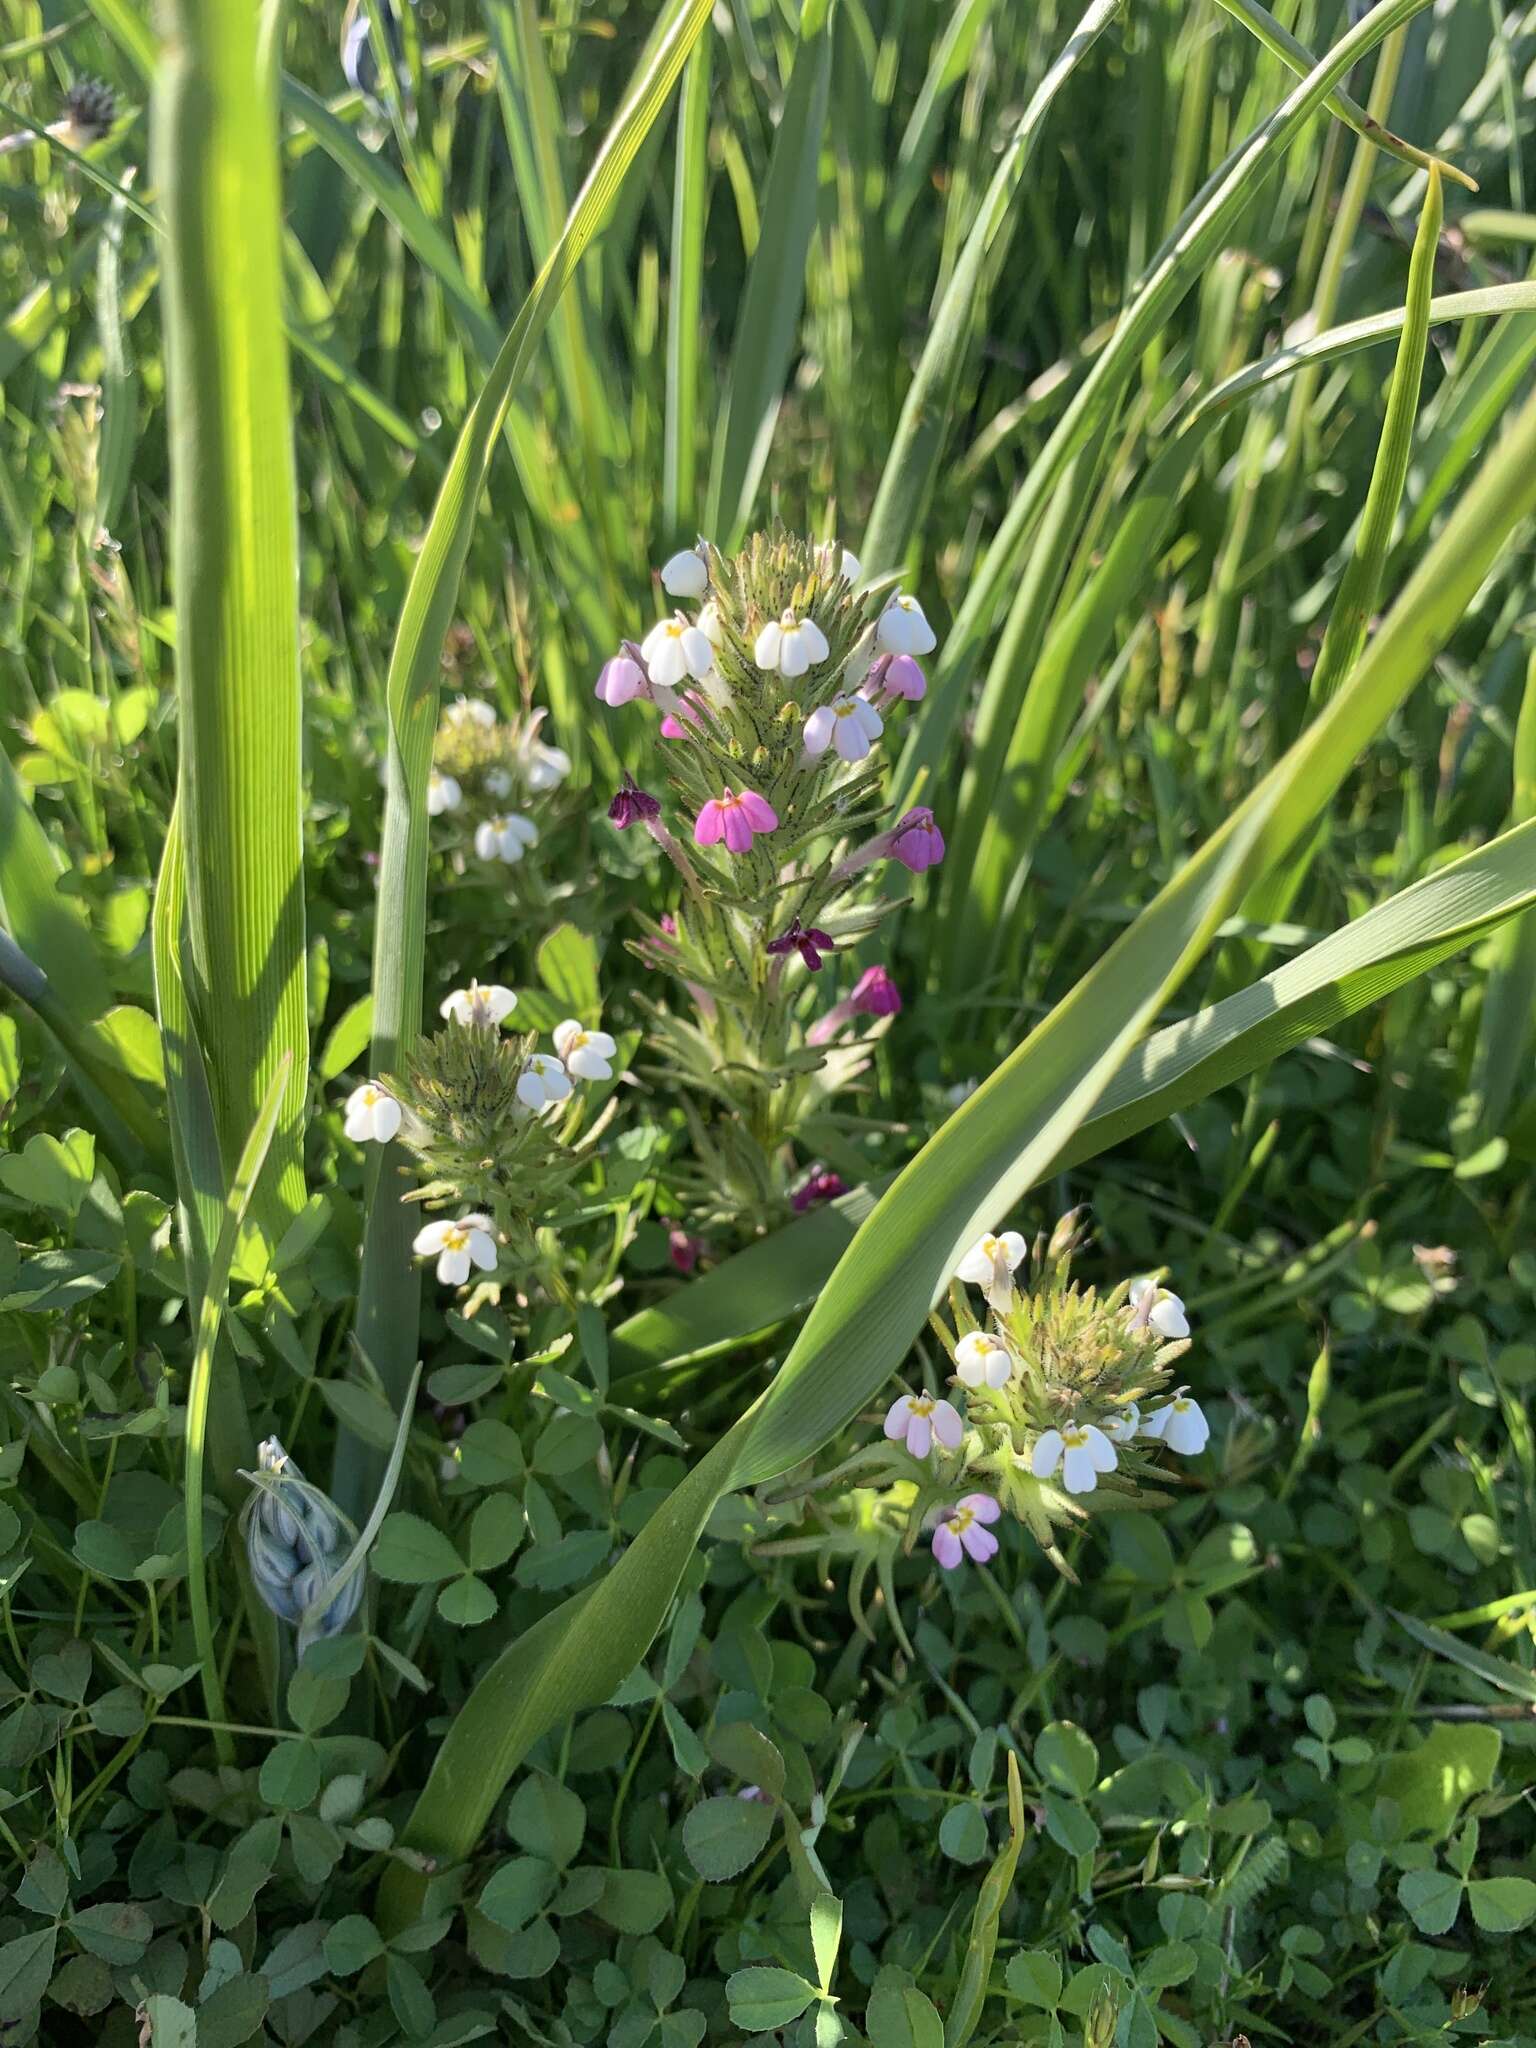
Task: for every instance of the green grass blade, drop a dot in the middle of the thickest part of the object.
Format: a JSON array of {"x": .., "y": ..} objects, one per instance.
[
  {"x": 388, "y": 1309},
  {"x": 1279, "y": 41},
  {"x": 907, "y": 480},
  {"x": 1509, "y": 1005},
  {"x": 690, "y": 207},
  {"x": 920, "y": 138},
  {"x": 769, "y": 315},
  {"x": 234, "y": 549},
  {"x": 200, "y": 1390},
  {"x": 966, "y": 1179},
  {"x": 1177, "y": 266}
]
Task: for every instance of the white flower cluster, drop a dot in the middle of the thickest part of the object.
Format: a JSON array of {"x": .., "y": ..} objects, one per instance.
[
  {"x": 372, "y": 1114},
  {"x": 498, "y": 758},
  {"x": 1079, "y": 1451}
]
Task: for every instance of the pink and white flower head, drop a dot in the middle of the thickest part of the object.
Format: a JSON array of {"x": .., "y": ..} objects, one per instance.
[
  {"x": 1122, "y": 1424},
  {"x": 734, "y": 816},
  {"x": 373, "y": 1115},
  {"x": 586, "y": 1054},
  {"x": 875, "y": 994},
  {"x": 482, "y": 1006},
  {"x": 1157, "y": 1308},
  {"x": 470, "y": 711},
  {"x": 443, "y": 794},
  {"x": 831, "y": 560},
  {"x": 895, "y": 676},
  {"x": 991, "y": 1263},
  {"x": 457, "y": 1247},
  {"x": 849, "y": 725},
  {"x": 904, "y": 629},
  {"x": 505, "y": 838},
  {"x": 676, "y": 650},
  {"x": 921, "y": 1420},
  {"x": 1181, "y": 1425},
  {"x": 980, "y": 1361},
  {"x": 543, "y": 1083},
  {"x": 962, "y": 1532},
  {"x": 620, "y": 680},
  {"x": 791, "y": 645},
  {"x": 686, "y": 574},
  {"x": 1079, "y": 1450},
  {"x": 917, "y": 841}
]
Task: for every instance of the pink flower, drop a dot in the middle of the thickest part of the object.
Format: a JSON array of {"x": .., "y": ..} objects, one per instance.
[
  {"x": 672, "y": 726},
  {"x": 920, "y": 1419},
  {"x": 685, "y": 1251},
  {"x": 875, "y": 994},
  {"x": 620, "y": 681},
  {"x": 961, "y": 1532},
  {"x": 734, "y": 816},
  {"x": 895, "y": 675},
  {"x": 822, "y": 1186},
  {"x": 917, "y": 842}
]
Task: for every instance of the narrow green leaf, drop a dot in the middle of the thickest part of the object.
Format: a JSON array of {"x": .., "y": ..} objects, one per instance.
[{"x": 770, "y": 307}]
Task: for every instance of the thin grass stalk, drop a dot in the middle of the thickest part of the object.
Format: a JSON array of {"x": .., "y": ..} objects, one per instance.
[
  {"x": 1509, "y": 1003},
  {"x": 690, "y": 206}
]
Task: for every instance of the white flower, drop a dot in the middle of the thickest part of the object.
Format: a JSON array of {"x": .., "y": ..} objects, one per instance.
[
  {"x": 991, "y": 1263},
  {"x": 498, "y": 782},
  {"x": 960, "y": 1091},
  {"x": 791, "y": 645},
  {"x": 919, "y": 1419},
  {"x": 1123, "y": 1424},
  {"x": 1158, "y": 1308},
  {"x": 851, "y": 725},
  {"x": 1181, "y": 1426},
  {"x": 676, "y": 650},
  {"x": 686, "y": 574},
  {"x": 544, "y": 766},
  {"x": 458, "y": 1247},
  {"x": 507, "y": 837},
  {"x": 372, "y": 1115},
  {"x": 476, "y": 1005},
  {"x": 543, "y": 1082},
  {"x": 709, "y": 624},
  {"x": 470, "y": 711},
  {"x": 443, "y": 794},
  {"x": 980, "y": 1361},
  {"x": 585, "y": 1053},
  {"x": 904, "y": 628},
  {"x": 1081, "y": 1451}
]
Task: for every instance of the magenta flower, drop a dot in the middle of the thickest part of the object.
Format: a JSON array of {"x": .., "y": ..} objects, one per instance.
[
  {"x": 620, "y": 681},
  {"x": 632, "y": 805},
  {"x": 685, "y": 1251},
  {"x": 809, "y": 942},
  {"x": 673, "y": 726},
  {"x": 822, "y": 1186},
  {"x": 875, "y": 994},
  {"x": 962, "y": 1533},
  {"x": 734, "y": 816},
  {"x": 917, "y": 842}
]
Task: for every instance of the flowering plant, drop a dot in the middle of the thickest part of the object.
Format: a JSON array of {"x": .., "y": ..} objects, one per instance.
[
  {"x": 489, "y": 771},
  {"x": 1066, "y": 1397},
  {"x": 774, "y": 698}
]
